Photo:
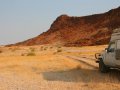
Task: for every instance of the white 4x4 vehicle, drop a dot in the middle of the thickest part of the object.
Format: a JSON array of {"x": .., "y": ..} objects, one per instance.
[{"x": 110, "y": 57}]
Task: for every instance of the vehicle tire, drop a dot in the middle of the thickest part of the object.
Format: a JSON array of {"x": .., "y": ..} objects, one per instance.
[{"x": 102, "y": 67}]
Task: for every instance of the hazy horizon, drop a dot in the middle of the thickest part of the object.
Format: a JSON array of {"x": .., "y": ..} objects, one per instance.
[{"x": 24, "y": 19}]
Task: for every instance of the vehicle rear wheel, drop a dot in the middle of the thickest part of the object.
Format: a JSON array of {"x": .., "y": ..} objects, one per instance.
[{"x": 102, "y": 67}]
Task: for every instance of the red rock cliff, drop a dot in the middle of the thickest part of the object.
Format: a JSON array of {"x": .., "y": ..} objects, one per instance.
[{"x": 79, "y": 31}]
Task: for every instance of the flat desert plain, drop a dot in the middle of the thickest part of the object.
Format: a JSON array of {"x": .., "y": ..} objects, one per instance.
[{"x": 49, "y": 67}]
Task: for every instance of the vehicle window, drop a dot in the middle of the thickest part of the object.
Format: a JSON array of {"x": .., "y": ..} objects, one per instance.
[
  {"x": 118, "y": 44},
  {"x": 112, "y": 47}
]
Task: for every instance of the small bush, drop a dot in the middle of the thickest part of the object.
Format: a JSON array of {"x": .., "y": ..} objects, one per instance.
[
  {"x": 78, "y": 67},
  {"x": 59, "y": 47},
  {"x": 41, "y": 48},
  {"x": 10, "y": 48},
  {"x": 23, "y": 54},
  {"x": 59, "y": 50},
  {"x": 31, "y": 54},
  {"x": 51, "y": 47},
  {"x": 1, "y": 51},
  {"x": 14, "y": 49},
  {"x": 32, "y": 49},
  {"x": 45, "y": 48}
]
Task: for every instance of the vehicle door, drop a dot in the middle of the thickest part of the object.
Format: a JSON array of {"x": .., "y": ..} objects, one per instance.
[
  {"x": 110, "y": 55},
  {"x": 117, "y": 53}
]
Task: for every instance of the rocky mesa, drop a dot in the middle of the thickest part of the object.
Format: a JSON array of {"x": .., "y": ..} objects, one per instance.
[{"x": 79, "y": 31}]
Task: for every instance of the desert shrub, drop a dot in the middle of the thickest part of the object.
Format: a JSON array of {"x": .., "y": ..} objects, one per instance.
[
  {"x": 54, "y": 53},
  {"x": 59, "y": 47},
  {"x": 45, "y": 48},
  {"x": 31, "y": 54},
  {"x": 78, "y": 67},
  {"x": 59, "y": 50},
  {"x": 10, "y": 48},
  {"x": 1, "y": 51},
  {"x": 23, "y": 54},
  {"x": 51, "y": 47},
  {"x": 32, "y": 49},
  {"x": 13, "y": 49},
  {"x": 41, "y": 48}
]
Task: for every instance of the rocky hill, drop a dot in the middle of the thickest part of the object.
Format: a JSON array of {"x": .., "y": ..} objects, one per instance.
[{"x": 79, "y": 31}]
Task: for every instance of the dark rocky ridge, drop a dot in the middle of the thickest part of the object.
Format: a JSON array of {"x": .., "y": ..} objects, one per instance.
[{"x": 79, "y": 31}]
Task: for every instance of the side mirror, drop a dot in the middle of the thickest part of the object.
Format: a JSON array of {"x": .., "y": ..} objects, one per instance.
[
  {"x": 110, "y": 50},
  {"x": 106, "y": 49}
]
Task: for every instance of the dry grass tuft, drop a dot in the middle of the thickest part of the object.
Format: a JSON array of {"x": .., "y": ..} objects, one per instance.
[
  {"x": 31, "y": 54},
  {"x": 1, "y": 51},
  {"x": 41, "y": 48},
  {"x": 32, "y": 49},
  {"x": 14, "y": 49},
  {"x": 51, "y": 47},
  {"x": 59, "y": 47},
  {"x": 45, "y": 48},
  {"x": 78, "y": 67},
  {"x": 59, "y": 50},
  {"x": 23, "y": 54}
]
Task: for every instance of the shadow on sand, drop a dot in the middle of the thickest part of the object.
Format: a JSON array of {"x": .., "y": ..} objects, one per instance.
[{"x": 83, "y": 75}]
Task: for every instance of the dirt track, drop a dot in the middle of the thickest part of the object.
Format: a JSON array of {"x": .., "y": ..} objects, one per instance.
[{"x": 68, "y": 69}]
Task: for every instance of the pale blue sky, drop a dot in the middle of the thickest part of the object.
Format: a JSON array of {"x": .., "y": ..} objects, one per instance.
[{"x": 24, "y": 19}]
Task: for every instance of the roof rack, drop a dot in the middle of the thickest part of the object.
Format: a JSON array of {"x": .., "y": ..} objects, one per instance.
[
  {"x": 115, "y": 35},
  {"x": 116, "y": 30}
]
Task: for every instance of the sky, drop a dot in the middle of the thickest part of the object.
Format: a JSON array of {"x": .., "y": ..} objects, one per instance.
[{"x": 23, "y": 19}]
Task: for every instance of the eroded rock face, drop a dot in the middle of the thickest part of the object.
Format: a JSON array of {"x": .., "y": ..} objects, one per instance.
[{"x": 79, "y": 31}]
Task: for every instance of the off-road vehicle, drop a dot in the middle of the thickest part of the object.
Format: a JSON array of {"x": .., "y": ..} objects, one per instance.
[{"x": 110, "y": 57}]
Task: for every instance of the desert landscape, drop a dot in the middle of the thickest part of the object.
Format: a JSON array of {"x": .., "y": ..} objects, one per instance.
[
  {"x": 54, "y": 67},
  {"x": 51, "y": 45}
]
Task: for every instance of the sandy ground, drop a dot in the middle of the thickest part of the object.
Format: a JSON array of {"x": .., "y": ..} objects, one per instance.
[{"x": 54, "y": 68}]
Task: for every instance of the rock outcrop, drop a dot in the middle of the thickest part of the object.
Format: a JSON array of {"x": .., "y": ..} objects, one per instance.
[{"x": 79, "y": 31}]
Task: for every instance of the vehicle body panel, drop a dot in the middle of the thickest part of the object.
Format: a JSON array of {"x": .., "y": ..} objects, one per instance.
[{"x": 111, "y": 55}]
